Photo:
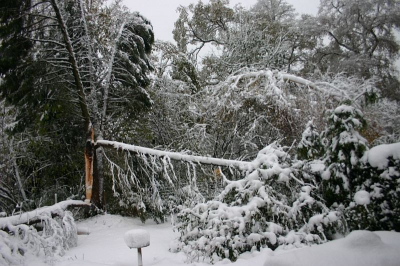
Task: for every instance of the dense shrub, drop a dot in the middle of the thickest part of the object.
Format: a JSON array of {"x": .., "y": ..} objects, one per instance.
[
  {"x": 271, "y": 206},
  {"x": 335, "y": 185}
]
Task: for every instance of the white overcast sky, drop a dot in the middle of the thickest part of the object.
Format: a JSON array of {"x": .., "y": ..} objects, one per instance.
[{"x": 162, "y": 13}]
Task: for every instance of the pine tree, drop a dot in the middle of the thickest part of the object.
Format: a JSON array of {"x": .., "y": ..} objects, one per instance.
[
  {"x": 310, "y": 146},
  {"x": 380, "y": 210},
  {"x": 80, "y": 68},
  {"x": 271, "y": 206},
  {"x": 345, "y": 147}
]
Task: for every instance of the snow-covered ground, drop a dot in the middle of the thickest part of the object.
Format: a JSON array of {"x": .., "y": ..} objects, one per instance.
[{"x": 105, "y": 245}]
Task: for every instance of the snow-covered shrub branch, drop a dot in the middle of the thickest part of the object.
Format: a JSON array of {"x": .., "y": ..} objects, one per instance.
[
  {"x": 335, "y": 185},
  {"x": 363, "y": 184},
  {"x": 279, "y": 105},
  {"x": 135, "y": 185},
  {"x": 47, "y": 231},
  {"x": 140, "y": 178},
  {"x": 250, "y": 109},
  {"x": 271, "y": 206},
  {"x": 376, "y": 205}
]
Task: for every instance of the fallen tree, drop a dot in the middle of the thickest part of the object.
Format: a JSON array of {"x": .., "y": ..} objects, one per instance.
[
  {"x": 48, "y": 231},
  {"x": 242, "y": 165}
]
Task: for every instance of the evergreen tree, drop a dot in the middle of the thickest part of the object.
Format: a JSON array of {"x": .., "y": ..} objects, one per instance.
[
  {"x": 78, "y": 67},
  {"x": 310, "y": 146},
  {"x": 345, "y": 147},
  {"x": 380, "y": 207},
  {"x": 271, "y": 206}
]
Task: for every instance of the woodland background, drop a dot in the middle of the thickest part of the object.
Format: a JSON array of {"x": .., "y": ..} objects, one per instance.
[{"x": 315, "y": 93}]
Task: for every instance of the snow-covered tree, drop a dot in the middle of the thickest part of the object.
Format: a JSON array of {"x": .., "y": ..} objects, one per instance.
[
  {"x": 266, "y": 35},
  {"x": 169, "y": 61},
  {"x": 271, "y": 206},
  {"x": 361, "y": 40},
  {"x": 345, "y": 147},
  {"x": 376, "y": 204},
  {"x": 202, "y": 24},
  {"x": 93, "y": 57},
  {"x": 310, "y": 146}
]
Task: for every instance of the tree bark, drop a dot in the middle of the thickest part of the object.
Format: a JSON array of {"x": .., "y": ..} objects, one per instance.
[
  {"x": 89, "y": 153},
  {"x": 17, "y": 175},
  {"x": 98, "y": 179}
]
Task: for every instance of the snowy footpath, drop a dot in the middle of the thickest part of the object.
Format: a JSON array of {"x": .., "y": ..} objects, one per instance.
[{"x": 105, "y": 245}]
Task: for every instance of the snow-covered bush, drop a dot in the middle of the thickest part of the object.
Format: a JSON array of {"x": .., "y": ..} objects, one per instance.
[
  {"x": 271, "y": 206},
  {"x": 379, "y": 208},
  {"x": 340, "y": 186},
  {"x": 345, "y": 147},
  {"x": 362, "y": 184},
  {"x": 310, "y": 146},
  {"x": 44, "y": 232}
]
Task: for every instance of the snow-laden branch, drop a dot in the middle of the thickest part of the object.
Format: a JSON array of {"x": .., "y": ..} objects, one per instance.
[
  {"x": 74, "y": 64},
  {"x": 296, "y": 79},
  {"x": 32, "y": 216},
  {"x": 58, "y": 233},
  {"x": 176, "y": 155},
  {"x": 248, "y": 79}
]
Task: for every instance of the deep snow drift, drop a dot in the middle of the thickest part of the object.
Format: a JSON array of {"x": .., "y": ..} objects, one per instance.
[{"x": 105, "y": 245}]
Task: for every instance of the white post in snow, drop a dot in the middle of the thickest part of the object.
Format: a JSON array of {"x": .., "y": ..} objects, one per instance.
[{"x": 137, "y": 238}]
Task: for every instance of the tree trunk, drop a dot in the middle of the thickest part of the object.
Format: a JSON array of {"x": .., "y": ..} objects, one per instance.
[
  {"x": 98, "y": 178},
  {"x": 89, "y": 149},
  {"x": 88, "y": 127},
  {"x": 17, "y": 175}
]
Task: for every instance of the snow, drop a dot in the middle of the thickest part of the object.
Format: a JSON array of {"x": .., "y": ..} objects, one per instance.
[
  {"x": 344, "y": 109},
  {"x": 362, "y": 197},
  {"x": 359, "y": 248},
  {"x": 319, "y": 219},
  {"x": 137, "y": 238},
  {"x": 378, "y": 156},
  {"x": 27, "y": 216},
  {"x": 299, "y": 80},
  {"x": 18, "y": 240},
  {"x": 317, "y": 167},
  {"x": 105, "y": 246},
  {"x": 176, "y": 155}
]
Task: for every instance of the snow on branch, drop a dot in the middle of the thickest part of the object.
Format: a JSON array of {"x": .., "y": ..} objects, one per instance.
[
  {"x": 296, "y": 79},
  {"x": 176, "y": 155},
  {"x": 35, "y": 215},
  {"x": 55, "y": 231},
  {"x": 340, "y": 88},
  {"x": 272, "y": 74}
]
